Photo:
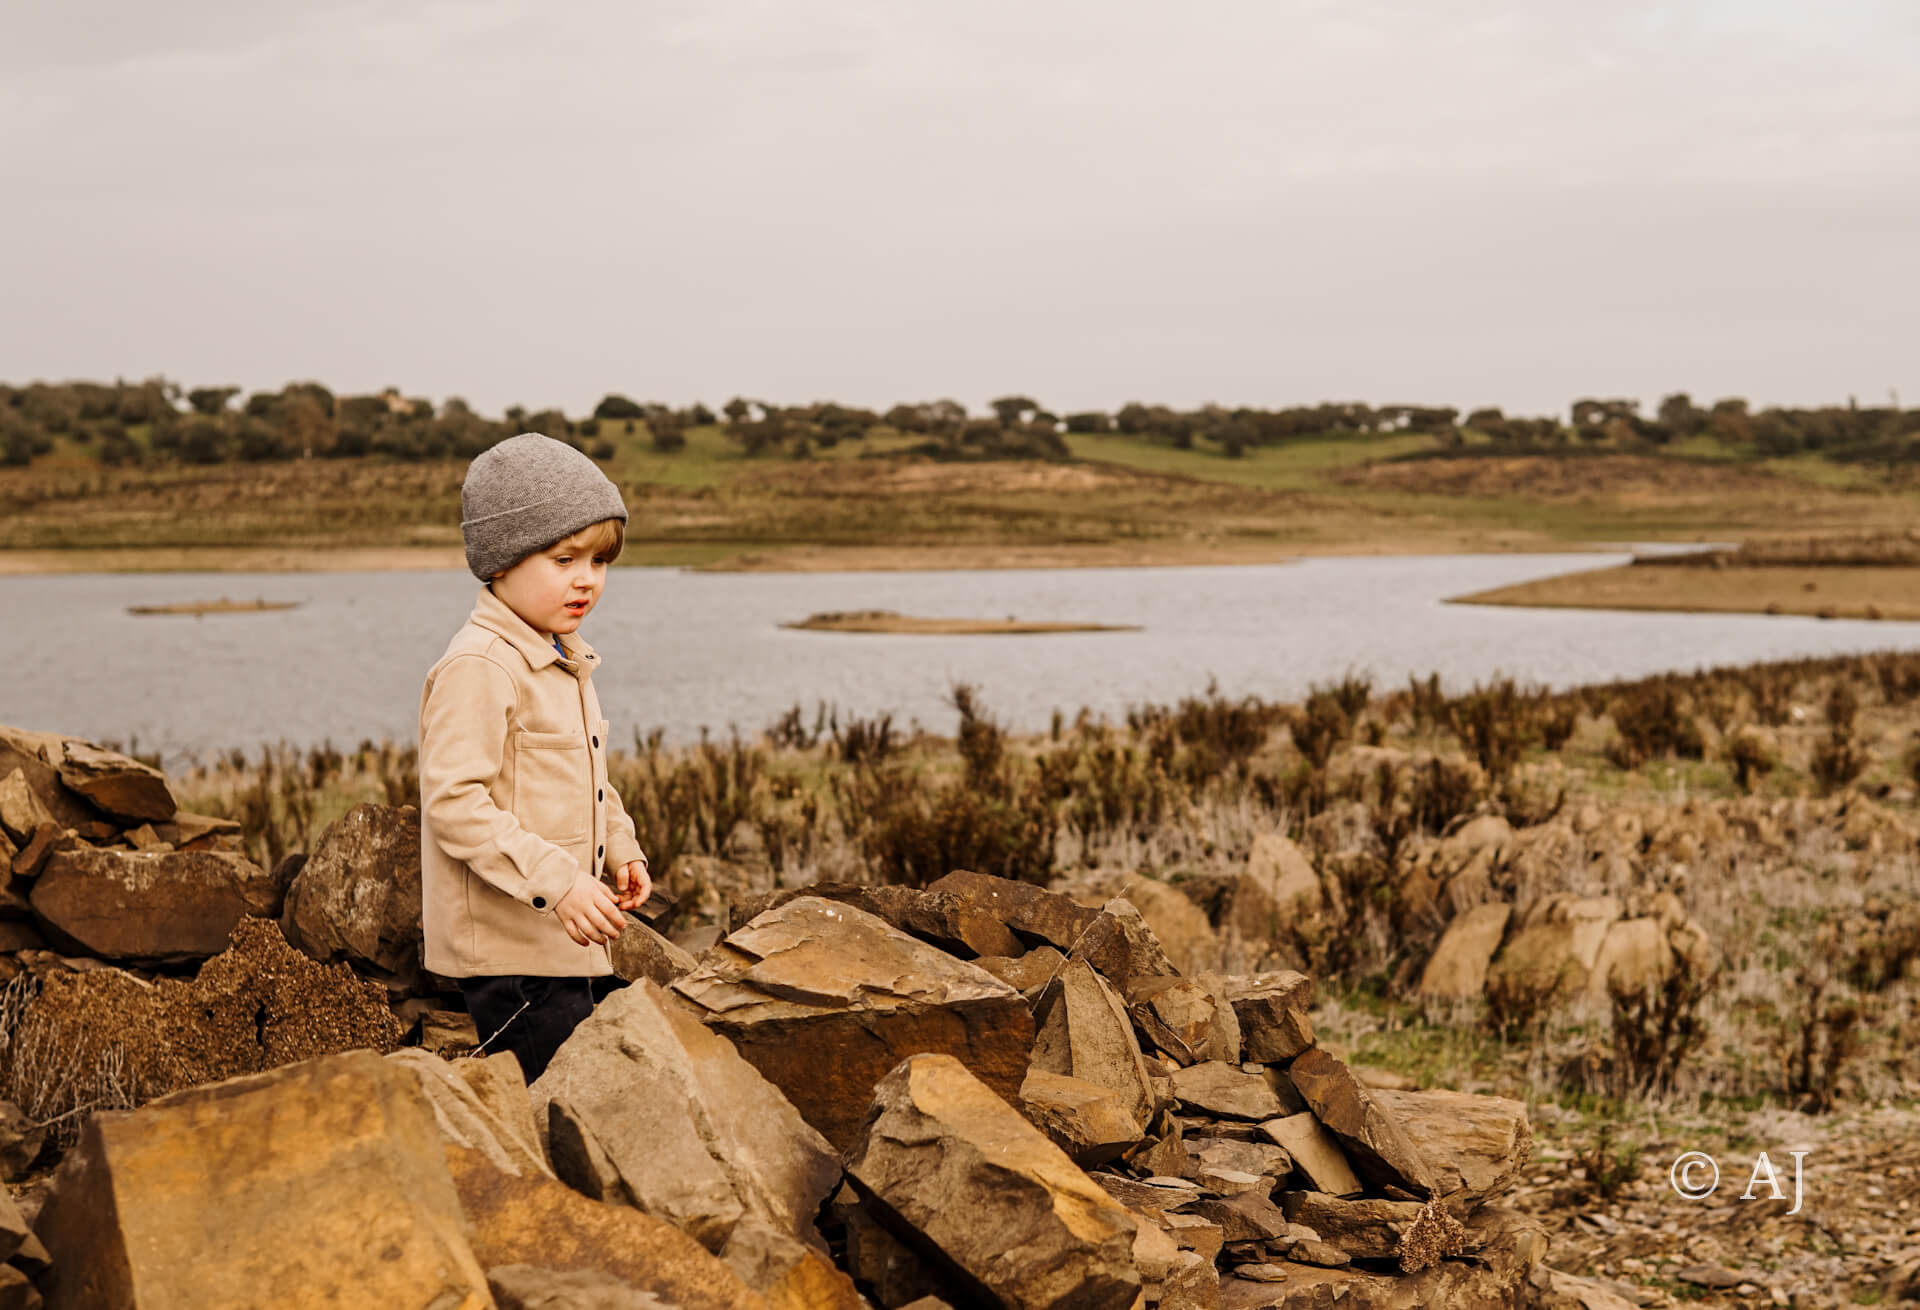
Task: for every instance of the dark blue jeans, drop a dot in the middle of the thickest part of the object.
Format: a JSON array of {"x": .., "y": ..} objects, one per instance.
[{"x": 530, "y": 1015}]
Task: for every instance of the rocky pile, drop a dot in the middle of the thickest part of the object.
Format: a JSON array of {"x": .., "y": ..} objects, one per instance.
[
  {"x": 86, "y": 832},
  {"x": 982, "y": 1093}
]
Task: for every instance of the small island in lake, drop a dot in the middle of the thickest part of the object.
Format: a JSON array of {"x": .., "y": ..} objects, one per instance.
[
  {"x": 1874, "y": 575},
  {"x": 887, "y": 621},
  {"x": 221, "y": 606}
]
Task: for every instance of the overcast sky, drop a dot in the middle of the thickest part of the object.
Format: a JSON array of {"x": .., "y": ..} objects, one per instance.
[{"x": 1090, "y": 201}]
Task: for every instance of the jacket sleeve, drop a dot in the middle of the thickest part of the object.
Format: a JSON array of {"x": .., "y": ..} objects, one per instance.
[
  {"x": 617, "y": 833},
  {"x": 463, "y": 737}
]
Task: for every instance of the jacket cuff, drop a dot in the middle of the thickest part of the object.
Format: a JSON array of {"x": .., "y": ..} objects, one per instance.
[
  {"x": 551, "y": 879},
  {"x": 621, "y": 849}
]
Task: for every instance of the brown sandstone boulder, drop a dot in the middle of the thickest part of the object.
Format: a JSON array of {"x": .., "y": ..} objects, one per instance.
[
  {"x": 1187, "y": 1021},
  {"x": 893, "y": 1272},
  {"x": 647, "y": 1107},
  {"x": 320, "y": 1184},
  {"x": 1376, "y": 1145},
  {"x": 1457, "y": 969},
  {"x": 30, "y": 859},
  {"x": 36, "y": 757},
  {"x": 21, "y": 809},
  {"x": 1091, "y": 1123},
  {"x": 1263, "y": 1159},
  {"x": 1274, "y": 1012},
  {"x": 1552, "y": 954},
  {"x": 1027, "y": 974},
  {"x": 481, "y": 1104},
  {"x": 1633, "y": 956},
  {"x": 518, "y": 1219},
  {"x": 824, "y": 1000},
  {"x": 533, "y": 1287},
  {"x": 1414, "y": 1234},
  {"x": 18, "y": 1244},
  {"x": 357, "y": 898},
  {"x": 193, "y": 832},
  {"x": 1273, "y": 903},
  {"x": 1083, "y": 1032},
  {"x": 1486, "y": 833},
  {"x": 952, "y": 1168},
  {"x": 1315, "y": 1153},
  {"x": 1120, "y": 945},
  {"x": 640, "y": 952},
  {"x": 115, "y": 784},
  {"x": 1180, "y": 926},
  {"x": 1192, "y": 1284},
  {"x": 954, "y": 922},
  {"x": 21, "y": 1140},
  {"x": 1476, "y": 1145},
  {"x": 1038, "y": 916},
  {"x": 1249, "y": 1216},
  {"x": 1226, "y": 1091},
  {"x": 151, "y": 907}
]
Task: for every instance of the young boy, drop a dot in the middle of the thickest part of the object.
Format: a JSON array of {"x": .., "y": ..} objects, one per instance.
[{"x": 517, "y": 821}]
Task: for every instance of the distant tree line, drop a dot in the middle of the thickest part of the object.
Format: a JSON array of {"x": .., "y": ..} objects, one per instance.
[{"x": 158, "y": 420}]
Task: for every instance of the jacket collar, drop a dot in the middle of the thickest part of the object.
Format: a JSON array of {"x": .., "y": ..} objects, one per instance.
[{"x": 497, "y": 617}]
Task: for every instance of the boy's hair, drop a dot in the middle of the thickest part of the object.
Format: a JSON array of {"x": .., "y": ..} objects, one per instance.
[{"x": 606, "y": 539}]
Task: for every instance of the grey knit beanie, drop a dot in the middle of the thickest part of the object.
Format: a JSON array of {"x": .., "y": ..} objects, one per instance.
[{"x": 526, "y": 493}]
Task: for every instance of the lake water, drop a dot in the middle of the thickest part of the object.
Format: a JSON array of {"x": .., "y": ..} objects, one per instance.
[{"x": 685, "y": 650}]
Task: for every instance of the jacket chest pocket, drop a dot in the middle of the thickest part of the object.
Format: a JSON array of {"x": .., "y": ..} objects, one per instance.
[{"x": 553, "y": 785}]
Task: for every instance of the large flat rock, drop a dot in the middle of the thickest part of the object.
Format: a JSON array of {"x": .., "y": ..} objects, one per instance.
[
  {"x": 1226, "y": 1091},
  {"x": 1315, "y": 1152},
  {"x": 117, "y": 784},
  {"x": 518, "y": 1220},
  {"x": 956, "y": 1172},
  {"x": 647, "y": 1107},
  {"x": 825, "y": 1000},
  {"x": 321, "y": 1184},
  {"x": 1038, "y": 916},
  {"x": 1477, "y": 1145},
  {"x": 148, "y": 906}
]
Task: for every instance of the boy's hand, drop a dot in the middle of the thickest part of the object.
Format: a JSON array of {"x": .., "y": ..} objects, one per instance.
[
  {"x": 635, "y": 884},
  {"x": 589, "y": 913}
]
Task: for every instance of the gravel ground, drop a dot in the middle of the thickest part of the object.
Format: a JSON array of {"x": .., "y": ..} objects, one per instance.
[{"x": 1854, "y": 1241}]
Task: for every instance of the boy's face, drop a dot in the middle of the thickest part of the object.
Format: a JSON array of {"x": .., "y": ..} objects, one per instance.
[{"x": 553, "y": 589}]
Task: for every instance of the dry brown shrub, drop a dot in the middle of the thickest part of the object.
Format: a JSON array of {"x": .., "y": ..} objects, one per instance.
[{"x": 107, "y": 1039}]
